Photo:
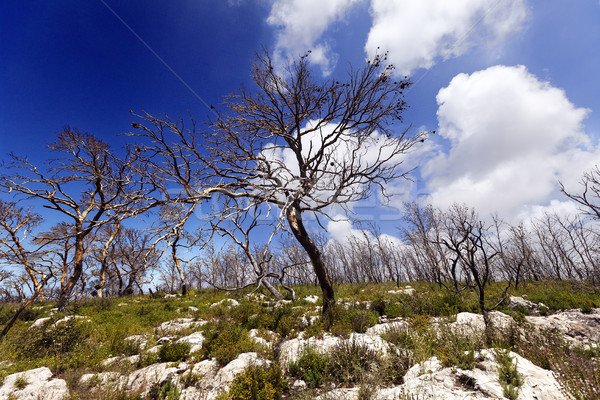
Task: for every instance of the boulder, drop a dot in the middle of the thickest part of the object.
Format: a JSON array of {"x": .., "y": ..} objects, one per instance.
[
  {"x": 33, "y": 384},
  {"x": 407, "y": 290},
  {"x": 227, "y": 374},
  {"x": 312, "y": 299},
  {"x": 530, "y": 306},
  {"x": 195, "y": 340},
  {"x": 178, "y": 325},
  {"x": 142, "y": 380},
  {"x": 227, "y": 302},
  {"x": 430, "y": 380},
  {"x": 469, "y": 323},
  {"x": 582, "y": 329},
  {"x": 291, "y": 350}
]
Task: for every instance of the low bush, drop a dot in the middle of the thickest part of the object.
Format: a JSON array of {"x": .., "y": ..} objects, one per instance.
[
  {"x": 225, "y": 341},
  {"x": 350, "y": 362},
  {"x": 257, "y": 383},
  {"x": 173, "y": 352},
  {"x": 310, "y": 367}
]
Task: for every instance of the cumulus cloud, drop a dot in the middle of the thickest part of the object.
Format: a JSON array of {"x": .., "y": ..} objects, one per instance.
[
  {"x": 300, "y": 25},
  {"x": 511, "y": 139},
  {"x": 337, "y": 164},
  {"x": 417, "y": 33}
]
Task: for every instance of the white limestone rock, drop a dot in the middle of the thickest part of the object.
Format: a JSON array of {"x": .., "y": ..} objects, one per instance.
[
  {"x": 578, "y": 328},
  {"x": 178, "y": 325},
  {"x": 312, "y": 299},
  {"x": 142, "y": 380},
  {"x": 408, "y": 290},
  {"x": 195, "y": 340},
  {"x": 380, "y": 329},
  {"x": 227, "y": 374},
  {"x": 40, "y": 385},
  {"x": 226, "y": 302},
  {"x": 292, "y": 349},
  {"x": 469, "y": 323}
]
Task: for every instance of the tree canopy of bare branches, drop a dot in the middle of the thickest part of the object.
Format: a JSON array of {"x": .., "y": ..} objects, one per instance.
[
  {"x": 294, "y": 145},
  {"x": 86, "y": 183}
]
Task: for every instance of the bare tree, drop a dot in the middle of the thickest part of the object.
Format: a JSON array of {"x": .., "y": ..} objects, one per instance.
[
  {"x": 16, "y": 223},
  {"x": 423, "y": 232},
  {"x": 135, "y": 256},
  {"x": 589, "y": 198},
  {"x": 86, "y": 183},
  {"x": 297, "y": 144},
  {"x": 468, "y": 240}
]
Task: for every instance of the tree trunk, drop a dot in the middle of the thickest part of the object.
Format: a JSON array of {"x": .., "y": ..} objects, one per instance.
[
  {"x": 294, "y": 217},
  {"x": 67, "y": 290},
  {"x": 272, "y": 290},
  {"x": 178, "y": 266}
]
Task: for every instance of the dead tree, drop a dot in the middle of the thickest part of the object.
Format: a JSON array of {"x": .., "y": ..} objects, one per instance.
[
  {"x": 295, "y": 143},
  {"x": 16, "y": 224},
  {"x": 589, "y": 198},
  {"x": 237, "y": 227},
  {"x": 423, "y": 233},
  {"x": 136, "y": 254},
  {"x": 467, "y": 239},
  {"x": 86, "y": 183}
]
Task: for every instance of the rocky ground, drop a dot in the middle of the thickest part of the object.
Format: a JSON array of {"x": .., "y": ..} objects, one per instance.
[{"x": 428, "y": 380}]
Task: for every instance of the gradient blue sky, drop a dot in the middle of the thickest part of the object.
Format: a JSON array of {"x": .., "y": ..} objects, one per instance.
[{"x": 512, "y": 86}]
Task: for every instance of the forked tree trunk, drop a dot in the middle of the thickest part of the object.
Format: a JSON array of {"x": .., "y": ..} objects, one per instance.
[{"x": 294, "y": 218}]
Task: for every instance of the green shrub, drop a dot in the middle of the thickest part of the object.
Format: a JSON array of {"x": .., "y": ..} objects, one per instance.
[
  {"x": 395, "y": 310},
  {"x": 257, "y": 383},
  {"x": 362, "y": 320},
  {"x": 165, "y": 391},
  {"x": 521, "y": 309},
  {"x": 341, "y": 321},
  {"x": 395, "y": 366},
  {"x": 226, "y": 341},
  {"x": 510, "y": 378},
  {"x": 310, "y": 367},
  {"x": 21, "y": 382},
  {"x": 350, "y": 362},
  {"x": 173, "y": 352}
]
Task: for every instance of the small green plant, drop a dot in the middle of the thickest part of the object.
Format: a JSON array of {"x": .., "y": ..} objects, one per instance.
[
  {"x": 173, "y": 352},
  {"x": 310, "y": 367},
  {"x": 226, "y": 341},
  {"x": 395, "y": 365},
  {"x": 351, "y": 362},
  {"x": 366, "y": 392},
  {"x": 167, "y": 391},
  {"x": 363, "y": 320},
  {"x": 510, "y": 378},
  {"x": 21, "y": 382},
  {"x": 257, "y": 383},
  {"x": 190, "y": 379}
]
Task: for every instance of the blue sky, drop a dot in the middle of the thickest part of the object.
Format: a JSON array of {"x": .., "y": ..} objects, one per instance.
[{"x": 511, "y": 86}]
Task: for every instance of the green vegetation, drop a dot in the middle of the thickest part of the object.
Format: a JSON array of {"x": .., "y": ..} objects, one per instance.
[
  {"x": 74, "y": 346},
  {"x": 257, "y": 383}
]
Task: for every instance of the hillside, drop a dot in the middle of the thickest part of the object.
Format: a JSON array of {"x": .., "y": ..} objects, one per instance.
[{"x": 380, "y": 342}]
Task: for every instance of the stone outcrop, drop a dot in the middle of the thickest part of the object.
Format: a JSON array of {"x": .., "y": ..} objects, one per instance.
[
  {"x": 32, "y": 385},
  {"x": 430, "y": 380},
  {"x": 582, "y": 329}
]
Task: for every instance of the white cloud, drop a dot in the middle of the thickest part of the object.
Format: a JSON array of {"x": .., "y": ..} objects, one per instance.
[
  {"x": 300, "y": 25},
  {"x": 512, "y": 137},
  {"x": 339, "y": 157},
  {"x": 417, "y": 33}
]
